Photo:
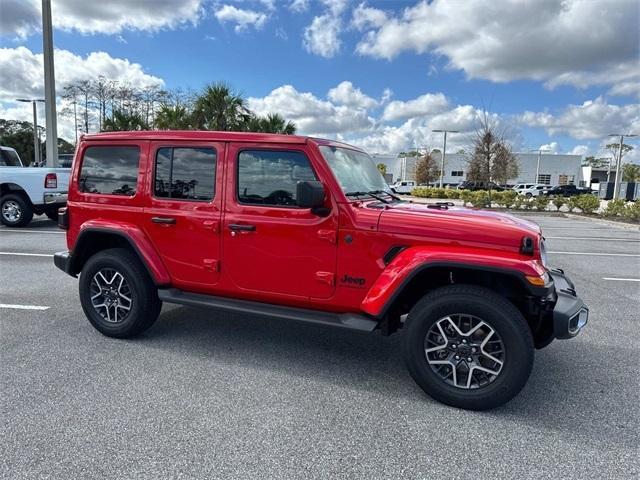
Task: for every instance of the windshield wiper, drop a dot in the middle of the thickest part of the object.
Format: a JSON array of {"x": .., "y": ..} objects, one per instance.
[
  {"x": 372, "y": 194},
  {"x": 378, "y": 192}
]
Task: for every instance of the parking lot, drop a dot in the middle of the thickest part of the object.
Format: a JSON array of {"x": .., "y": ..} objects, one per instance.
[{"x": 205, "y": 395}]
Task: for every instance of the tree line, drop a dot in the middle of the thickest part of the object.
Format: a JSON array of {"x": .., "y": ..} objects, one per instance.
[{"x": 108, "y": 105}]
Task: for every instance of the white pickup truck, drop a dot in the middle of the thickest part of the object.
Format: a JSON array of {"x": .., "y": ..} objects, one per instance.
[{"x": 25, "y": 191}]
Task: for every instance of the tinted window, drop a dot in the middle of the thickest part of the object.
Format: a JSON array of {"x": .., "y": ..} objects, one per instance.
[
  {"x": 185, "y": 173},
  {"x": 112, "y": 170},
  {"x": 270, "y": 177},
  {"x": 9, "y": 158}
]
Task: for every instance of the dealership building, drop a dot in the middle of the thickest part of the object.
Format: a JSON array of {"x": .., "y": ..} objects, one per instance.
[{"x": 553, "y": 169}]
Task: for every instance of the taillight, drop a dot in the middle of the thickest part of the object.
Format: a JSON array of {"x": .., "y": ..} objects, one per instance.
[{"x": 51, "y": 180}]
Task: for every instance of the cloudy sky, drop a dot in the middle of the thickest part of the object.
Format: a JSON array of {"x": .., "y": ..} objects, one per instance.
[{"x": 379, "y": 74}]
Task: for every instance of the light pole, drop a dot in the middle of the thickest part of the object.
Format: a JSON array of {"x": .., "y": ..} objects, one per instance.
[
  {"x": 36, "y": 136},
  {"x": 444, "y": 150},
  {"x": 49, "y": 85},
  {"x": 616, "y": 185},
  {"x": 539, "y": 150}
]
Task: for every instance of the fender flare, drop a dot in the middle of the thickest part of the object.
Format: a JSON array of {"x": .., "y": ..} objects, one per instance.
[
  {"x": 414, "y": 260},
  {"x": 136, "y": 239}
]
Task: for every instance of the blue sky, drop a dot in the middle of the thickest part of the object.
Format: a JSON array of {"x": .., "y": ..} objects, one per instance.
[{"x": 560, "y": 74}]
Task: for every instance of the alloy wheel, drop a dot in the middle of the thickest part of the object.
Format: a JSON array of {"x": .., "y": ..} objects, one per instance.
[
  {"x": 11, "y": 211},
  {"x": 111, "y": 295},
  {"x": 465, "y": 351}
]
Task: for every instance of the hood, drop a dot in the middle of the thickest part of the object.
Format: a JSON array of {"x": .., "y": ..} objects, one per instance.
[{"x": 464, "y": 225}]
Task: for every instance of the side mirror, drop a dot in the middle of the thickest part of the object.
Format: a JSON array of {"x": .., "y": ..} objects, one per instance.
[{"x": 310, "y": 194}]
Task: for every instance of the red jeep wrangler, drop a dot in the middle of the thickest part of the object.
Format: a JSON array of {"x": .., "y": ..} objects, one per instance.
[{"x": 307, "y": 229}]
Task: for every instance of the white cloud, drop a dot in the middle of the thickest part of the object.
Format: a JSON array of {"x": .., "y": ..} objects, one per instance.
[
  {"x": 23, "y": 17},
  {"x": 576, "y": 42},
  {"x": 336, "y": 7},
  {"x": 21, "y": 71},
  {"x": 591, "y": 120},
  {"x": 365, "y": 17},
  {"x": 579, "y": 150},
  {"x": 299, "y": 6},
  {"x": 346, "y": 94},
  {"x": 322, "y": 37},
  {"x": 427, "y": 104},
  {"x": 312, "y": 115},
  {"x": 242, "y": 18},
  {"x": 553, "y": 147}
]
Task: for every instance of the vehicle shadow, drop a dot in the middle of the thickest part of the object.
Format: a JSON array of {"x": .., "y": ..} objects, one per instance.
[{"x": 562, "y": 391}]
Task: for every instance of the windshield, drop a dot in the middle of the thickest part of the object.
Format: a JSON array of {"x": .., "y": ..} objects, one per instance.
[
  {"x": 354, "y": 170},
  {"x": 9, "y": 158}
]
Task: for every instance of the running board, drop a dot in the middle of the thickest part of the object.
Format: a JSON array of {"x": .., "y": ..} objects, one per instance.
[{"x": 349, "y": 321}]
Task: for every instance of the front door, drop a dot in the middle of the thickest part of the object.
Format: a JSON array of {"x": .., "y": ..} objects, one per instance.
[
  {"x": 184, "y": 213},
  {"x": 273, "y": 248}
]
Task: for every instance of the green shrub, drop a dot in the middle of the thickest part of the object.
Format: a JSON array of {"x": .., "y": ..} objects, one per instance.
[
  {"x": 509, "y": 198},
  {"x": 588, "y": 203},
  {"x": 466, "y": 196},
  {"x": 558, "y": 201},
  {"x": 452, "y": 193},
  {"x": 632, "y": 211},
  {"x": 614, "y": 208},
  {"x": 527, "y": 203},
  {"x": 518, "y": 202},
  {"x": 480, "y": 199},
  {"x": 541, "y": 202},
  {"x": 572, "y": 203}
]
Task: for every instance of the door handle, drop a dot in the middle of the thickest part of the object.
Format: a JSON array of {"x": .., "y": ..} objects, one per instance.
[
  {"x": 236, "y": 227},
  {"x": 164, "y": 220}
]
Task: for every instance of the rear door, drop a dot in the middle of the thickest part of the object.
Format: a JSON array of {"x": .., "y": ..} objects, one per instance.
[
  {"x": 184, "y": 213},
  {"x": 273, "y": 248}
]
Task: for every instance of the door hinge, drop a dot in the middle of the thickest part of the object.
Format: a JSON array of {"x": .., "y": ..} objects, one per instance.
[
  {"x": 329, "y": 235},
  {"x": 326, "y": 277},
  {"x": 211, "y": 265},
  {"x": 210, "y": 225}
]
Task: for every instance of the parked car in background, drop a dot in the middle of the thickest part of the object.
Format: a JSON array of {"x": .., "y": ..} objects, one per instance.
[
  {"x": 568, "y": 190},
  {"x": 28, "y": 191},
  {"x": 403, "y": 186},
  {"x": 531, "y": 189},
  {"x": 65, "y": 160},
  {"x": 469, "y": 185}
]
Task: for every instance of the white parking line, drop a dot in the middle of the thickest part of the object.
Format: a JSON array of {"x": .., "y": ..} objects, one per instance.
[
  {"x": 598, "y": 254},
  {"x": 597, "y": 239},
  {"x": 22, "y": 230},
  {"x": 621, "y": 279},
  {"x": 21, "y": 254},
  {"x": 24, "y": 307}
]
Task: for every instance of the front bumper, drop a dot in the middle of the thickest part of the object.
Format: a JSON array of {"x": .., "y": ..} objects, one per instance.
[
  {"x": 63, "y": 261},
  {"x": 55, "y": 198},
  {"x": 570, "y": 314}
]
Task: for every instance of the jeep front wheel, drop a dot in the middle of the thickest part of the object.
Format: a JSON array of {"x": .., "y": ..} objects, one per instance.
[
  {"x": 117, "y": 294},
  {"x": 468, "y": 347}
]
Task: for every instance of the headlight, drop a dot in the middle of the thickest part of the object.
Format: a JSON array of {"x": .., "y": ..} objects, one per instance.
[{"x": 543, "y": 253}]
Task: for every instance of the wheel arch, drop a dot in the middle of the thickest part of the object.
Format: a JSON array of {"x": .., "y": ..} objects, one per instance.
[
  {"x": 92, "y": 240},
  {"x": 7, "y": 188}
]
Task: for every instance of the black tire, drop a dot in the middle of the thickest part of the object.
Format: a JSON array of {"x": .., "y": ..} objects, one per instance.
[
  {"x": 144, "y": 304},
  {"x": 495, "y": 310},
  {"x": 52, "y": 214},
  {"x": 15, "y": 210},
  {"x": 528, "y": 195}
]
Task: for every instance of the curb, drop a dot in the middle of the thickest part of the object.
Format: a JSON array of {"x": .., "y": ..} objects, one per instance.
[{"x": 611, "y": 223}]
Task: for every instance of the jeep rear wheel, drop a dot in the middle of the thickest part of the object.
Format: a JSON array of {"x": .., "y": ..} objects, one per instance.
[
  {"x": 117, "y": 294},
  {"x": 468, "y": 347}
]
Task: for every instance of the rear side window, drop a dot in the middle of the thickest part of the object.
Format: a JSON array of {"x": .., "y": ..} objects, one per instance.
[
  {"x": 267, "y": 177},
  {"x": 9, "y": 158},
  {"x": 111, "y": 170},
  {"x": 185, "y": 173}
]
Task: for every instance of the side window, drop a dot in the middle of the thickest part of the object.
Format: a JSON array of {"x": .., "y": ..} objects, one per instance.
[
  {"x": 268, "y": 177},
  {"x": 110, "y": 169},
  {"x": 185, "y": 173}
]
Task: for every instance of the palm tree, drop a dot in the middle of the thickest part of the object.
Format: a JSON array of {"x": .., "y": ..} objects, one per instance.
[
  {"x": 124, "y": 121},
  {"x": 219, "y": 108},
  {"x": 173, "y": 118},
  {"x": 272, "y": 123}
]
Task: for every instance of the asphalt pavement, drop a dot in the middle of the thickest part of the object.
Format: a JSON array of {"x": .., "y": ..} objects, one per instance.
[{"x": 204, "y": 394}]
